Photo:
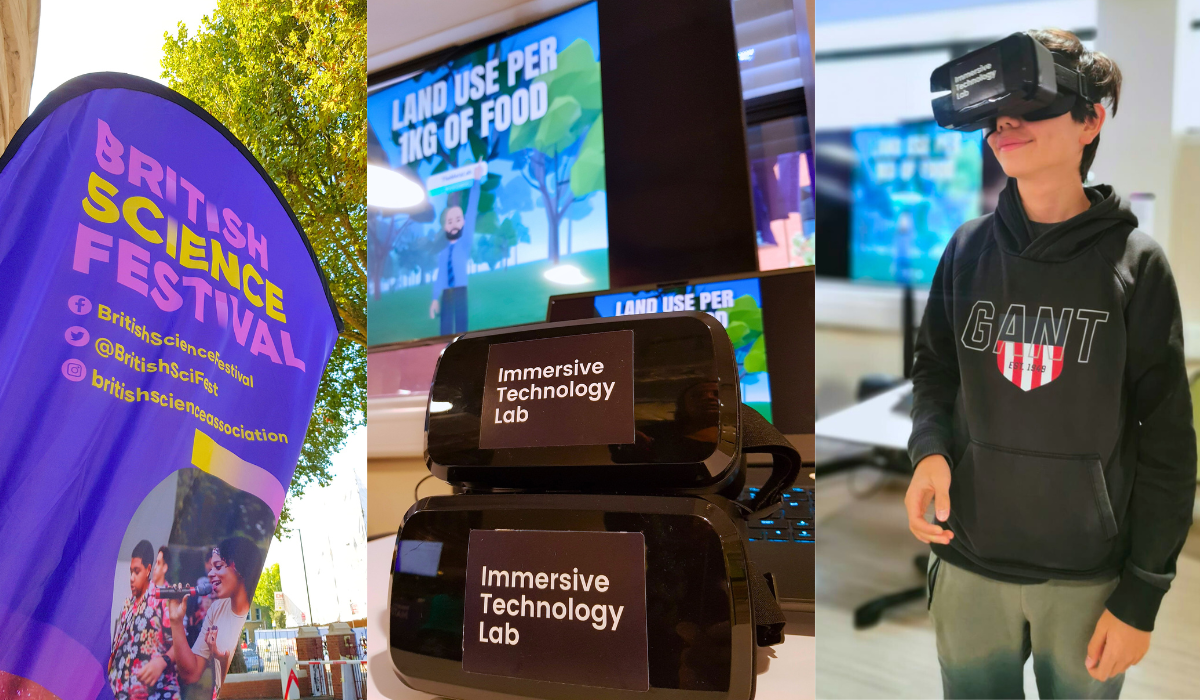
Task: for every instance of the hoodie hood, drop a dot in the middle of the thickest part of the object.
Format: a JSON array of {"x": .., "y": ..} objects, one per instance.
[{"x": 1066, "y": 239}]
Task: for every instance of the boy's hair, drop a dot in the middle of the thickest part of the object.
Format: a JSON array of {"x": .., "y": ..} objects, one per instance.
[
  {"x": 145, "y": 551},
  {"x": 1100, "y": 70}
]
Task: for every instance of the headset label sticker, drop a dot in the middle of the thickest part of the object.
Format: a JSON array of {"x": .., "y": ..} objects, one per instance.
[
  {"x": 567, "y": 607},
  {"x": 976, "y": 80},
  {"x": 573, "y": 390}
]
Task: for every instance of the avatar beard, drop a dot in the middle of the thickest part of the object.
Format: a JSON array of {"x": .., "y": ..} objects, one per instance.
[{"x": 454, "y": 234}]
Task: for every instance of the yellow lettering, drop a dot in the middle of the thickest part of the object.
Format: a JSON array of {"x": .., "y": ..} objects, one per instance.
[
  {"x": 131, "y": 208},
  {"x": 191, "y": 252},
  {"x": 247, "y": 272},
  {"x": 219, "y": 266},
  {"x": 275, "y": 303},
  {"x": 107, "y": 213}
]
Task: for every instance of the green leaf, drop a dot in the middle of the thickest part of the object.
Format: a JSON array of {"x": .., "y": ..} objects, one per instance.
[
  {"x": 745, "y": 310},
  {"x": 490, "y": 183},
  {"x": 578, "y": 56},
  {"x": 487, "y": 202},
  {"x": 736, "y": 332},
  {"x": 478, "y": 144},
  {"x": 587, "y": 175},
  {"x": 487, "y": 223},
  {"x": 554, "y": 129},
  {"x": 575, "y": 82},
  {"x": 756, "y": 359},
  {"x": 521, "y": 136}
]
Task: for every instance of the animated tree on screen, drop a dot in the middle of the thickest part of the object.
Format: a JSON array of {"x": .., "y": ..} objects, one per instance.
[{"x": 508, "y": 142}]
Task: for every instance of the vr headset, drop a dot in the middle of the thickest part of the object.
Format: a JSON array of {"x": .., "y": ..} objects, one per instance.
[
  {"x": 594, "y": 547},
  {"x": 1015, "y": 76}
]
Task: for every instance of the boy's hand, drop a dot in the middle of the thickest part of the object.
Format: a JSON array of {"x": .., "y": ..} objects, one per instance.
[
  {"x": 149, "y": 673},
  {"x": 930, "y": 481},
  {"x": 1115, "y": 646}
]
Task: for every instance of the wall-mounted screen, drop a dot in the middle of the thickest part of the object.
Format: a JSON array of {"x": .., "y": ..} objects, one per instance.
[
  {"x": 766, "y": 314},
  {"x": 911, "y": 187},
  {"x": 505, "y": 139},
  {"x": 737, "y": 304}
]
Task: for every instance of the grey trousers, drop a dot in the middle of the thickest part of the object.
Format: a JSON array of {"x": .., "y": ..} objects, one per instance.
[{"x": 987, "y": 629}]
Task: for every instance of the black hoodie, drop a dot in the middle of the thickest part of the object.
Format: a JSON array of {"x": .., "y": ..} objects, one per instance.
[{"x": 1050, "y": 373}]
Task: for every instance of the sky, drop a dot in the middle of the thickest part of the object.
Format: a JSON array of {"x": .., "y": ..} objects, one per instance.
[
  {"x": 328, "y": 577},
  {"x": 349, "y": 464},
  {"x": 86, "y": 36}
]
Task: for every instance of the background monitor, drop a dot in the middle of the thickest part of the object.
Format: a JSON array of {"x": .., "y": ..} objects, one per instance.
[
  {"x": 506, "y": 138},
  {"x": 890, "y": 197},
  {"x": 781, "y": 160},
  {"x": 639, "y": 161},
  {"x": 769, "y": 318}
]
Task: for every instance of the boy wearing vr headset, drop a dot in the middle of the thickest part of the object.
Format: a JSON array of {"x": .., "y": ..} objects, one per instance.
[{"x": 1052, "y": 422}]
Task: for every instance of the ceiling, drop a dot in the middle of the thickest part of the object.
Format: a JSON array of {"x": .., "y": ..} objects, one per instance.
[
  {"x": 846, "y": 10},
  {"x": 400, "y": 30}
]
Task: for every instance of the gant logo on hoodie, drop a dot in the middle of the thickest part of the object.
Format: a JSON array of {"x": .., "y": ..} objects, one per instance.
[{"x": 1031, "y": 355}]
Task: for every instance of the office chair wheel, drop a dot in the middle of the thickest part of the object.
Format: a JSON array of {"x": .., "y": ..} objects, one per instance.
[{"x": 868, "y": 614}]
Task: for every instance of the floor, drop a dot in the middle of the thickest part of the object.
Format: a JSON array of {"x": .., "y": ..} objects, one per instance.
[{"x": 864, "y": 550}]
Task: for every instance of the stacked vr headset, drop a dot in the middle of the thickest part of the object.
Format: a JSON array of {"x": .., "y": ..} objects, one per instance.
[
  {"x": 595, "y": 546},
  {"x": 1016, "y": 76}
]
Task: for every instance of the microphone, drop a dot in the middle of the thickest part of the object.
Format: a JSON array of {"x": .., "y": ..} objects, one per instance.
[{"x": 175, "y": 592}]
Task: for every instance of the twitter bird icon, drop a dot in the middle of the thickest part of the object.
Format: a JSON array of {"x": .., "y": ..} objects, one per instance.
[{"x": 77, "y": 336}]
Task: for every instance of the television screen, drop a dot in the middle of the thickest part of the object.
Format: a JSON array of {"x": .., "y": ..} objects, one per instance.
[
  {"x": 506, "y": 140},
  {"x": 736, "y": 303},
  {"x": 834, "y": 152},
  {"x": 781, "y": 181},
  {"x": 912, "y": 186}
]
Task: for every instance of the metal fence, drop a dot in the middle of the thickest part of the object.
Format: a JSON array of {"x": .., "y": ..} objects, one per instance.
[
  {"x": 323, "y": 680},
  {"x": 266, "y": 653}
]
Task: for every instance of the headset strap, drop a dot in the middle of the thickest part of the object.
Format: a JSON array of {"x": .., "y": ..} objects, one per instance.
[
  {"x": 759, "y": 436},
  {"x": 1073, "y": 80},
  {"x": 768, "y": 616}
]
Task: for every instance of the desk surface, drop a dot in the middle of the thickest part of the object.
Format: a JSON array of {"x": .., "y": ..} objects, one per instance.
[
  {"x": 872, "y": 422},
  {"x": 790, "y": 667}
]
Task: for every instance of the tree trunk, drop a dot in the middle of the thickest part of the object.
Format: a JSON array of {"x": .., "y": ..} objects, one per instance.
[
  {"x": 552, "y": 218},
  {"x": 19, "y": 20}
]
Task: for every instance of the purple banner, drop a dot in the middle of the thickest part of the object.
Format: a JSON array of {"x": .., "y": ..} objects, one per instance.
[{"x": 164, "y": 326}]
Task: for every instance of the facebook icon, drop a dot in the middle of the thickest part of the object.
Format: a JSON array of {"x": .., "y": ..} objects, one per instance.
[{"x": 79, "y": 305}]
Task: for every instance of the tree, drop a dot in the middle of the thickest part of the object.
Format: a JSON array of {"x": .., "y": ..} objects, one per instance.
[
  {"x": 746, "y": 334},
  {"x": 496, "y": 248},
  {"x": 264, "y": 595},
  {"x": 556, "y": 155},
  {"x": 288, "y": 78}
]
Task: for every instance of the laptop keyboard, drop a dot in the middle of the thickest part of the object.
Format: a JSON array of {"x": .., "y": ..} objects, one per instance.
[{"x": 791, "y": 521}]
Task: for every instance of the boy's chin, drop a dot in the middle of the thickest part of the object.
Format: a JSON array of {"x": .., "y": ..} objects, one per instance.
[{"x": 1017, "y": 169}]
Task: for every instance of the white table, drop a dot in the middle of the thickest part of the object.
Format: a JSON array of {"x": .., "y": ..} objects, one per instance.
[
  {"x": 790, "y": 672},
  {"x": 872, "y": 422}
]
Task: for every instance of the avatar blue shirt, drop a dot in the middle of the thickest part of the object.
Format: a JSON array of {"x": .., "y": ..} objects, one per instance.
[{"x": 453, "y": 258}]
